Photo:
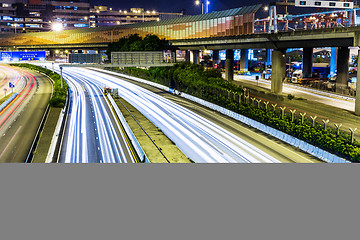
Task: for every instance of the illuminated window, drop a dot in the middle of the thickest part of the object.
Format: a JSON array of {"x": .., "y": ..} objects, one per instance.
[
  {"x": 332, "y": 4},
  {"x": 346, "y": 5},
  {"x": 317, "y": 3},
  {"x": 7, "y": 18},
  {"x": 302, "y": 3}
]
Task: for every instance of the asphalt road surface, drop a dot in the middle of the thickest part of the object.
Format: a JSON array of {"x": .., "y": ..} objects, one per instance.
[
  {"x": 20, "y": 121},
  {"x": 92, "y": 133},
  {"x": 202, "y": 134}
]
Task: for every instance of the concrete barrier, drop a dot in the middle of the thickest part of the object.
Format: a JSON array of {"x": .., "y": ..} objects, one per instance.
[
  {"x": 9, "y": 100},
  {"x": 140, "y": 152}
]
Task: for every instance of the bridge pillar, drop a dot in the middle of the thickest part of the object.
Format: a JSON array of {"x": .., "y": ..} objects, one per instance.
[
  {"x": 333, "y": 61},
  {"x": 215, "y": 57},
  {"x": 229, "y": 65},
  {"x": 342, "y": 75},
  {"x": 244, "y": 60},
  {"x": 268, "y": 57},
  {"x": 307, "y": 62},
  {"x": 187, "y": 56},
  {"x": 278, "y": 70},
  {"x": 173, "y": 56},
  {"x": 194, "y": 56},
  {"x": 357, "y": 99}
]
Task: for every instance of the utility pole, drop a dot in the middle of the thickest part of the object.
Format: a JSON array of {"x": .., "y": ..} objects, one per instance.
[{"x": 61, "y": 77}]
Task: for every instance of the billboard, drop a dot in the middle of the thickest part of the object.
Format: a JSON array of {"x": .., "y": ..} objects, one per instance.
[{"x": 22, "y": 56}]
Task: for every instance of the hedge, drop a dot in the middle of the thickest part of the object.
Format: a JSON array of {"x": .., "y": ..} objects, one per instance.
[
  {"x": 59, "y": 96},
  {"x": 210, "y": 86}
]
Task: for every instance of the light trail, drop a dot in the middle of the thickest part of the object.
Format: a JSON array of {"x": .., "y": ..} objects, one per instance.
[
  {"x": 12, "y": 107},
  {"x": 200, "y": 139},
  {"x": 92, "y": 133}
]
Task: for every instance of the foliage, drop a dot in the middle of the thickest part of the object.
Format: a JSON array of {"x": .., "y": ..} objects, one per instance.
[
  {"x": 295, "y": 58},
  {"x": 59, "y": 94},
  {"x": 290, "y": 96},
  {"x": 136, "y": 43},
  {"x": 208, "y": 85},
  {"x": 318, "y": 60}
]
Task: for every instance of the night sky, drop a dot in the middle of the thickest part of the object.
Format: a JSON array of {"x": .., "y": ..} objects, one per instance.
[{"x": 176, "y": 5}]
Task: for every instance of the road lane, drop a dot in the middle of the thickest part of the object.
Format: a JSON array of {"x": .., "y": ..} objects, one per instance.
[
  {"x": 199, "y": 138},
  {"x": 21, "y": 120},
  {"x": 92, "y": 133}
]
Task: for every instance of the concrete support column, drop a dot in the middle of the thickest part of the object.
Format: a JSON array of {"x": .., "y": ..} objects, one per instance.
[
  {"x": 307, "y": 62},
  {"x": 194, "y": 55},
  {"x": 173, "y": 56},
  {"x": 333, "y": 61},
  {"x": 268, "y": 57},
  {"x": 357, "y": 99},
  {"x": 215, "y": 57},
  {"x": 278, "y": 70},
  {"x": 244, "y": 60},
  {"x": 187, "y": 56},
  {"x": 229, "y": 65},
  {"x": 342, "y": 75}
]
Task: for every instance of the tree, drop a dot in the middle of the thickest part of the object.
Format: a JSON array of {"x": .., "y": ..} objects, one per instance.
[
  {"x": 136, "y": 43},
  {"x": 295, "y": 58},
  {"x": 319, "y": 60}
]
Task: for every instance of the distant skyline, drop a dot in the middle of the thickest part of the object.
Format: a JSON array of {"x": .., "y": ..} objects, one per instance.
[{"x": 176, "y": 6}]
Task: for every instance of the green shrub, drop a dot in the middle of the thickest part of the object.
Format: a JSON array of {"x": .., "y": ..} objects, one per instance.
[
  {"x": 59, "y": 96},
  {"x": 290, "y": 96}
]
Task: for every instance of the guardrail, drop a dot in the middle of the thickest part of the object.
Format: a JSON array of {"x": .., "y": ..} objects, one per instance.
[
  {"x": 140, "y": 152},
  {"x": 306, "y": 147},
  {"x": 9, "y": 100},
  {"x": 37, "y": 136},
  {"x": 56, "y": 141}
]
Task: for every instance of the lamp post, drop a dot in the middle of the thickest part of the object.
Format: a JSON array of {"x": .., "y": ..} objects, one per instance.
[{"x": 204, "y": 3}]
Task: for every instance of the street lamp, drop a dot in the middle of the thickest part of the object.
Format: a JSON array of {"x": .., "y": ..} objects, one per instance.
[
  {"x": 57, "y": 27},
  {"x": 202, "y": 2}
]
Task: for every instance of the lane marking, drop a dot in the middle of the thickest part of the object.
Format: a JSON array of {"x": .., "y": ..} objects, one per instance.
[{"x": 11, "y": 140}]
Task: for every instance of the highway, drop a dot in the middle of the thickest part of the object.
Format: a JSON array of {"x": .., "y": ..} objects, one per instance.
[
  {"x": 92, "y": 133},
  {"x": 20, "y": 120},
  {"x": 8, "y": 74},
  {"x": 203, "y": 135}
]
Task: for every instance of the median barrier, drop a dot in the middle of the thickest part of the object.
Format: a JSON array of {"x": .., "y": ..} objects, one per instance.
[
  {"x": 140, "y": 152},
  {"x": 9, "y": 100}
]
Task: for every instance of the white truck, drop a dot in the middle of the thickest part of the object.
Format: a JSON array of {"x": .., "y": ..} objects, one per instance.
[{"x": 296, "y": 76}]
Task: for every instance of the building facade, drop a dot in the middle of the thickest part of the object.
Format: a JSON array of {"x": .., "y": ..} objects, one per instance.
[
  {"x": 101, "y": 16},
  {"x": 20, "y": 16},
  {"x": 232, "y": 22}
]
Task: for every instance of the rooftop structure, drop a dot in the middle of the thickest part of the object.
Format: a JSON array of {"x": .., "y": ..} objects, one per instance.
[{"x": 104, "y": 16}]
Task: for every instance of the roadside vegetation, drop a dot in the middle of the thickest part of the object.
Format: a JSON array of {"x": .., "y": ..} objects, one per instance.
[
  {"x": 210, "y": 86},
  {"x": 59, "y": 96},
  {"x": 136, "y": 43}
]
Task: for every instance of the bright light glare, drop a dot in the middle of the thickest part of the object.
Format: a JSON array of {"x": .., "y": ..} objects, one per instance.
[
  {"x": 57, "y": 27},
  {"x": 266, "y": 8},
  {"x": 197, "y": 2}
]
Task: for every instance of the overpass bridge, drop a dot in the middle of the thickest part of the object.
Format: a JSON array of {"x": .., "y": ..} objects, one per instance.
[{"x": 223, "y": 30}]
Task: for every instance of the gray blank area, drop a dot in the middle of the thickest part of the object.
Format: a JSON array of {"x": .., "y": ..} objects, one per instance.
[{"x": 193, "y": 201}]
